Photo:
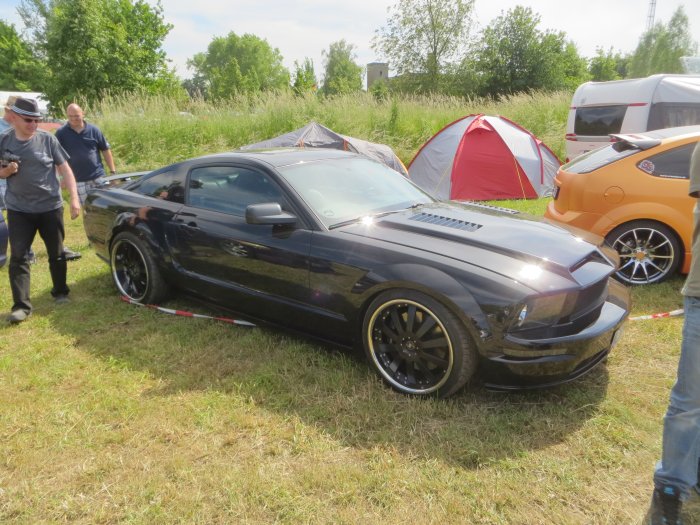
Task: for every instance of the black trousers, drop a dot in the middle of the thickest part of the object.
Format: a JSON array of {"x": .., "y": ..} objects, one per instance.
[{"x": 22, "y": 230}]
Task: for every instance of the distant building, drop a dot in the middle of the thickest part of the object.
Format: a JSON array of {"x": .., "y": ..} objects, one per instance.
[
  {"x": 377, "y": 71},
  {"x": 691, "y": 65}
]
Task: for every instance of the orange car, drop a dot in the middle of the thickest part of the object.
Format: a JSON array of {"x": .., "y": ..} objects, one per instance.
[{"x": 635, "y": 194}]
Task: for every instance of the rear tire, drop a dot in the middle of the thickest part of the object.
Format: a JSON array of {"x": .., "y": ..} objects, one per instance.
[
  {"x": 416, "y": 345},
  {"x": 134, "y": 270},
  {"x": 649, "y": 252}
]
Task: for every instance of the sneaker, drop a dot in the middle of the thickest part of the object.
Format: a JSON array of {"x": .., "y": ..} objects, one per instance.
[
  {"x": 17, "y": 316},
  {"x": 32, "y": 257},
  {"x": 666, "y": 506},
  {"x": 61, "y": 299},
  {"x": 70, "y": 255}
]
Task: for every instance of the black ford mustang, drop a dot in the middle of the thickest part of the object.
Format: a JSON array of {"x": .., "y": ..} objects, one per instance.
[{"x": 342, "y": 248}]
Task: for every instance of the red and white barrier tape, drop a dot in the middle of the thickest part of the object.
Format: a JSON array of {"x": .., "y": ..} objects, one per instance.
[
  {"x": 672, "y": 313},
  {"x": 187, "y": 314}
]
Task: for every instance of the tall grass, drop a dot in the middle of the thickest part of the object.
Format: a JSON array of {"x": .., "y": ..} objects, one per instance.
[{"x": 149, "y": 132}]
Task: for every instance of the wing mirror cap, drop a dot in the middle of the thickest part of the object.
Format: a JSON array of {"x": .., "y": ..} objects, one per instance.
[{"x": 268, "y": 213}]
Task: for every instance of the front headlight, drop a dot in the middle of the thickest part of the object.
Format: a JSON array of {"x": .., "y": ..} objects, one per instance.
[{"x": 540, "y": 311}]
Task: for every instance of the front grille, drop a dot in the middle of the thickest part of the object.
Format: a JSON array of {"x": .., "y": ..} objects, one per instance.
[{"x": 448, "y": 222}]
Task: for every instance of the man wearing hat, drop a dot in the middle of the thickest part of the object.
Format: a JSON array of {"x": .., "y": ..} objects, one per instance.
[{"x": 34, "y": 202}]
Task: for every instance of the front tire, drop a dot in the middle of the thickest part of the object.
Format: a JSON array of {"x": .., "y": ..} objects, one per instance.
[
  {"x": 134, "y": 270},
  {"x": 416, "y": 345},
  {"x": 649, "y": 252}
]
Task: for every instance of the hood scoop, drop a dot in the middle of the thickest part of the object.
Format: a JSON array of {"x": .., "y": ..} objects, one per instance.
[{"x": 439, "y": 220}]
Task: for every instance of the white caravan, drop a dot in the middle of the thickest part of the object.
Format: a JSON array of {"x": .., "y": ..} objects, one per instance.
[{"x": 629, "y": 106}]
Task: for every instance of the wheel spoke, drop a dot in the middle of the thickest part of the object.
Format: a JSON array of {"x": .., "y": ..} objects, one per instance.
[
  {"x": 396, "y": 322},
  {"x": 410, "y": 318},
  {"x": 438, "y": 342},
  {"x": 428, "y": 324},
  {"x": 439, "y": 361}
]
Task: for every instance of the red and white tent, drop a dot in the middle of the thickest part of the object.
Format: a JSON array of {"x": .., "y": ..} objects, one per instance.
[{"x": 481, "y": 157}]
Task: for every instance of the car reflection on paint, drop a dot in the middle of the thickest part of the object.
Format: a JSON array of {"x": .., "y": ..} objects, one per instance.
[{"x": 346, "y": 250}]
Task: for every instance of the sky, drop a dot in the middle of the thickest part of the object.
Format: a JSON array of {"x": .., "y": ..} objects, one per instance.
[{"x": 304, "y": 28}]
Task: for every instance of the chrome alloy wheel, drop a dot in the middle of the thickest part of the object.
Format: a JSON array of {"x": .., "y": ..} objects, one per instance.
[
  {"x": 410, "y": 346},
  {"x": 129, "y": 270},
  {"x": 649, "y": 252}
]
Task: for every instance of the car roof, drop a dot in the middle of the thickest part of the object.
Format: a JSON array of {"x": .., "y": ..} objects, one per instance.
[{"x": 279, "y": 157}]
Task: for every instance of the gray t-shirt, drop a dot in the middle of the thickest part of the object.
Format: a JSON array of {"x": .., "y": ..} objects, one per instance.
[
  {"x": 35, "y": 188},
  {"x": 692, "y": 282}
]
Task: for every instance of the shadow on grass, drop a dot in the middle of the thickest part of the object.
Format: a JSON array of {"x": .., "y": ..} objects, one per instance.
[{"x": 331, "y": 389}]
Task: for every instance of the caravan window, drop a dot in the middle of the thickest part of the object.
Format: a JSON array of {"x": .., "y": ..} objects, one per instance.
[
  {"x": 670, "y": 115},
  {"x": 599, "y": 120}
]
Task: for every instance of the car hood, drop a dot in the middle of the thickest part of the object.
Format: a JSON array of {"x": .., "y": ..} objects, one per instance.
[{"x": 498, "y": 239}]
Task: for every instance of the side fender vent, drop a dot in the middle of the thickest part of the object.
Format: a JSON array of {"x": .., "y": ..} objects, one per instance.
[{"x": 448, "y": 222}]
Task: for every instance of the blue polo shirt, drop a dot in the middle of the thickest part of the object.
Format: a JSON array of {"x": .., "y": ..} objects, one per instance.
[{"x": 84, "y": 150}]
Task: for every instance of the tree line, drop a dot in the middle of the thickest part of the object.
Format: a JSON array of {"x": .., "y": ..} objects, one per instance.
[{"x": 84, "y": 49}]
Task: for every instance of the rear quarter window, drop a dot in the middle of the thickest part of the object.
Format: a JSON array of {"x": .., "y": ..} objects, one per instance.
[
  {"x": 161, "y": 185},
  {"x": 672, "y": 164},
  {"x": 599, "y": 120}
]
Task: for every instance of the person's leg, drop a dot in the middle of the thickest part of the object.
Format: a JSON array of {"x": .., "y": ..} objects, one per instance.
[
  {"x": 52, "y": 232},
  {"x": 22, "y": 229},
  {"x": 681, "y": 440}
]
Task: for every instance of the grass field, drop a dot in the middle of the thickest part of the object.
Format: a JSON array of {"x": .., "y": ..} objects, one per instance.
[{"x": 111, "y": 413}]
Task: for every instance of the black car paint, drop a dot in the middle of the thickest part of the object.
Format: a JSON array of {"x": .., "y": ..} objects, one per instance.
[{"x": 317, "y": 281}]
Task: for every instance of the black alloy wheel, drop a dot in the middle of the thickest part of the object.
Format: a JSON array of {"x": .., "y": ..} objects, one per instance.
[
  {"x": 417, "y": 345},
  {"x": 649, "y": 252},
  {"x": 134, "y": 270}
]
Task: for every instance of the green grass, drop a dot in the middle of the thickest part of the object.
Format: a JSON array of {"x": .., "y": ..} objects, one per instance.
[
  {"x": 113, "y": 413},
  {"x": 118, "y": 414}
]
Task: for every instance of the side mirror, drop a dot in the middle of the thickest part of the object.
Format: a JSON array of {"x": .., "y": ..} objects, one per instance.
[{"x": 268, "y": 213}]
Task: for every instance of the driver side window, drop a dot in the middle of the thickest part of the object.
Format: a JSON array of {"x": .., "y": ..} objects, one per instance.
[{"x": 230, "y": 189}]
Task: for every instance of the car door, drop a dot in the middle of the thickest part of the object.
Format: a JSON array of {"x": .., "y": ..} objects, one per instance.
[{"x": 257, "y": 269}]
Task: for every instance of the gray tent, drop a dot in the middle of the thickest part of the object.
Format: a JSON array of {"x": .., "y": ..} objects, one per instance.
[{"x": 314, "y": 135}]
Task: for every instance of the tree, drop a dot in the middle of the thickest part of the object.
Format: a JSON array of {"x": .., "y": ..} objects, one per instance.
[
  {"x": 21, "y": 70},
  {"x": 513, "y": 55},
  {"x": 92, "y": 47},
  {"x": 304, "y": 77},
  {"x": 422, "y": 36},
  {"x": 239, "y": 64},
  {"x": 342, "y": 74},
  {"x": 607, "y": 65},
  {"x": 660, "y": 49}
]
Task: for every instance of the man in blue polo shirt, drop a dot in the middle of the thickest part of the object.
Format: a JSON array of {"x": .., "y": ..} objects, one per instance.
[{"x": 84, "y": 142}]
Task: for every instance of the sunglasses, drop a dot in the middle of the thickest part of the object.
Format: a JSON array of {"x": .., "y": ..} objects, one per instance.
[{"x": 30, "y": 120}]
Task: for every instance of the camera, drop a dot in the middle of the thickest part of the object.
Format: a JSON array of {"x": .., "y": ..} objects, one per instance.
[{"x": 8, "y": 157}]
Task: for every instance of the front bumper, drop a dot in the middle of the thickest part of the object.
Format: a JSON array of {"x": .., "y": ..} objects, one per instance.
[
  {"x": 547, "y": 362},
  {"x": 581, "y": 220}
]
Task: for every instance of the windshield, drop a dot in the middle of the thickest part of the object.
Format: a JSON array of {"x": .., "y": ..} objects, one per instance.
[{"x": 345, "y": 189}]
